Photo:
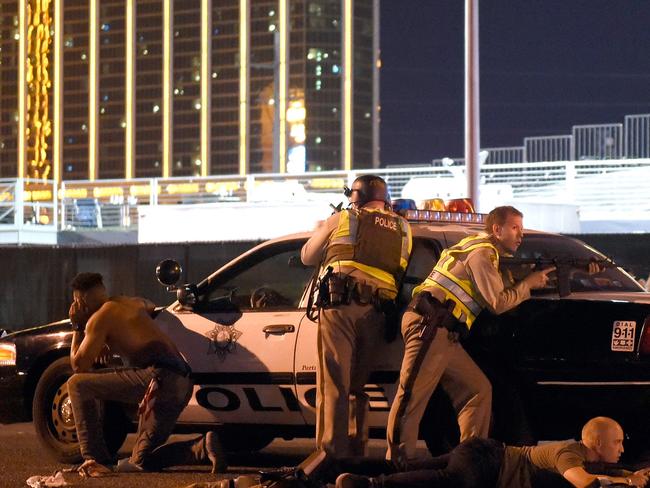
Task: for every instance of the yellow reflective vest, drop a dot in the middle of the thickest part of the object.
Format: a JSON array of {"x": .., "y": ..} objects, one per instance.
[
  {"x": 374, "y": 241},
  {"x": 461, "y": 290}
]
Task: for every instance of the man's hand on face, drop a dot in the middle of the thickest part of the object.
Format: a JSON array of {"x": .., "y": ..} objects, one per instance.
[
  {"x": 78, "y": 314},
  {"x": 539, "y": 279}
]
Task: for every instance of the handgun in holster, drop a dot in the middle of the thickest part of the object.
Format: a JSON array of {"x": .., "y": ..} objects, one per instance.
[
  {"x": 323, "y": 300},
  {"x": 334, "y": 289},
  {"x": 434, "y": 315}
]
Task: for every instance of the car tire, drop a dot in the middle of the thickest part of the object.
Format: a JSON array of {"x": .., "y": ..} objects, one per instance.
[{"x": 54, "y": 422}]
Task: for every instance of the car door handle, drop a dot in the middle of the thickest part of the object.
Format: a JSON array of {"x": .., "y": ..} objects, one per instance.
[{"x": 279, "y": 329}]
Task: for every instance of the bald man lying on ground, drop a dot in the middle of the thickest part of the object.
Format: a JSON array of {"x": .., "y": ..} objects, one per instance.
[{"x": 488, "y": 463}]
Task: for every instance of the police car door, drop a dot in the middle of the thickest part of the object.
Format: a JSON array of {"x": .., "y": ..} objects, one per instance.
[{"x": 240, "y": 339}]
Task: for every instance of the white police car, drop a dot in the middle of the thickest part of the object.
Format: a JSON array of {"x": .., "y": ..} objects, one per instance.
[{"x": 553, "y": 362}]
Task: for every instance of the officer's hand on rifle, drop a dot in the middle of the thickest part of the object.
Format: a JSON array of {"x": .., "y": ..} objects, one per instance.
[{"x": 539, "y": 279}]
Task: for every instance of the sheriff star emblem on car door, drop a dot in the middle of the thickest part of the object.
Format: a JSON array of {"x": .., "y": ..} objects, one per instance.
[{"x": 223, "y": 339}]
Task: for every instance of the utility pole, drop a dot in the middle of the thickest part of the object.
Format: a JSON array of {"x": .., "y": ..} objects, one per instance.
[{"x": 472, "y": 112}]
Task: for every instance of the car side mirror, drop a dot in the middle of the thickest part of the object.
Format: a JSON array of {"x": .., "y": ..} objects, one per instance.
[{"x": 168, "y": 272}]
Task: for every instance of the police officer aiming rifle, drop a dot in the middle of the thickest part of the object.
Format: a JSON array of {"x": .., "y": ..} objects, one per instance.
[
  {"x": 363, "y": 251},
  {"x": 465, "y": 280}
]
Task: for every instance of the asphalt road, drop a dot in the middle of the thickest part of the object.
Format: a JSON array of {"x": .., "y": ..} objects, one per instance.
[{"x": 21, "y": 457}]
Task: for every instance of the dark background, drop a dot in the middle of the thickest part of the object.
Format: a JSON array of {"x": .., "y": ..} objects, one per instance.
[{"x": 545, "y": 65}]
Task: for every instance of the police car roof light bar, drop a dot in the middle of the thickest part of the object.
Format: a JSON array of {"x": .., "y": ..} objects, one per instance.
[{"x": 443, "y": 216}]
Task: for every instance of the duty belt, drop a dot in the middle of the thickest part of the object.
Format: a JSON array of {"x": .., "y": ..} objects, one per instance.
[
  {"x": 343, "y": 290},
  {"x": 436, "y": 315}
]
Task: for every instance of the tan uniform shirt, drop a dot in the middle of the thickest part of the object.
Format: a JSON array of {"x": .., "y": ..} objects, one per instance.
[
  {"x": 480, "y": 266},
  {"x": 520, "y": 463}
]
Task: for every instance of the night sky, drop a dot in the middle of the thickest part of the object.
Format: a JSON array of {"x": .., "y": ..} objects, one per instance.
[{"x": 545, "y": 65}]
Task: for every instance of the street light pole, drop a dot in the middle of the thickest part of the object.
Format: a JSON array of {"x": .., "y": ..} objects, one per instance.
[{"x": 472, "y": 113}]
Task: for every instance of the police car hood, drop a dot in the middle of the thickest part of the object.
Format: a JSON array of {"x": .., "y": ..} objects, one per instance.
[{"x": 607, "y": 296}]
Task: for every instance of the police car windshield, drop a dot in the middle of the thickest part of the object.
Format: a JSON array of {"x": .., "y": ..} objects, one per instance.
[{"x": 573, "y": 256}]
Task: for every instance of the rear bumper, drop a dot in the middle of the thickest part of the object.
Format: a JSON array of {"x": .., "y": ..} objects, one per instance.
[{"x": 12, "y": 396}]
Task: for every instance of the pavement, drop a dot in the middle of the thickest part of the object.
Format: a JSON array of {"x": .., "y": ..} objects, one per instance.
[{"x": 22, "y": 457}]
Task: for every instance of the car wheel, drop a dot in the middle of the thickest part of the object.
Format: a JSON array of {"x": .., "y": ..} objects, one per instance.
[{"x": 54, "y": 421}]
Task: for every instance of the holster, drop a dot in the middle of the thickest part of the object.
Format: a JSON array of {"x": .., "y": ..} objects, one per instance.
[
  {"x": 435, "y": 315},
  {"x": 333, "y": 289},
  {"x": 338, "y": 289}
]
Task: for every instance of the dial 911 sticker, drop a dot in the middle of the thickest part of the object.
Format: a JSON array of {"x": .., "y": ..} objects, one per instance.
[{"x": 623, "y": 335}]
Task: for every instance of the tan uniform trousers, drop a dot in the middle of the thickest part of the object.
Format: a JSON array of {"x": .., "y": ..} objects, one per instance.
[
  {"x": 347, "y": 339},
  {"x": 425, "y": 364}
]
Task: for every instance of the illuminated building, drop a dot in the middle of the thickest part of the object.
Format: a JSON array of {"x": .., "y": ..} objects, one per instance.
[{"x": 145, "y": 88}]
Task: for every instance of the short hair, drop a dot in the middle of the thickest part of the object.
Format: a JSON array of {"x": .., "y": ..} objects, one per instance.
[
  {"x": 499, "y": 215},
  {"x": 595, "y": 428},
  {"x": 86, "y": 281}
]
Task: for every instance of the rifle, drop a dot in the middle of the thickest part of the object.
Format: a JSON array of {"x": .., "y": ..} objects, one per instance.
[{"x": 563, "y": 267}]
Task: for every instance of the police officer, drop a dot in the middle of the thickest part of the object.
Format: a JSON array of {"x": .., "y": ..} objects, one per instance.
[
  {"x": 464, "y": 281},
  {"x": 364, "y": 250}
]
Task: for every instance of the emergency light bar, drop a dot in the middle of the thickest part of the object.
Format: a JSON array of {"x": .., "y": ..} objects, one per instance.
[
  {"x": 438, "y": 216},
  {"x": 459, "y": 210}
]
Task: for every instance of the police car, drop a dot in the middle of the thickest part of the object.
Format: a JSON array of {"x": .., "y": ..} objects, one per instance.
[{"x": 553, "y": 361}]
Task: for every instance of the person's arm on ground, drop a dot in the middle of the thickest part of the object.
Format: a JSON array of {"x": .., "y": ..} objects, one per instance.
[{"x": 579, "y": 478}]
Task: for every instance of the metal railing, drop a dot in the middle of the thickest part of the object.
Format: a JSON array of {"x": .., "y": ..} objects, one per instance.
[
  {"x": 598, "y": 141},
  {"x": 548, "y": 148},
  {"x": 597, "y": 167},
  {"x": 29, "y": 203},
  {"x": 637, "y": 136},
  {"x": 504, "y": 155},
  {"x": 600, "y": 187}
]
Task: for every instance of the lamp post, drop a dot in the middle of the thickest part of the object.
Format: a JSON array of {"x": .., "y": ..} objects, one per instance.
[{"x": 472, "y": 113}]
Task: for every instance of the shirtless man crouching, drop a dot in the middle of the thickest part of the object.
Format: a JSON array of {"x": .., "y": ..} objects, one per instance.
[{"x": 156, "y": 376}]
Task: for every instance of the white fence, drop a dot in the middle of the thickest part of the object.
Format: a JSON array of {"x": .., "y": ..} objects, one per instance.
[
  {"x": 28, "y": 211},
  {"x": 602, "y": 189},
  {"x": 27, "y": 202}
]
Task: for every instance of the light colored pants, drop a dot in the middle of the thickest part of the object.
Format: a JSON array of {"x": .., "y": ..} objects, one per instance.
[
  {"x": 126, "y": 385},
  {"x": 348, "y": 336},
  {"x": 425, "y": 364}
]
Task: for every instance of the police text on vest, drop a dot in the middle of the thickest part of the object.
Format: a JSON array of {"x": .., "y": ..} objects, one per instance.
[{"x": 385, "y": 222}]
